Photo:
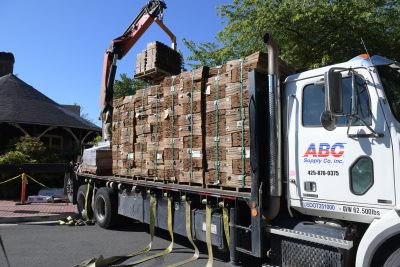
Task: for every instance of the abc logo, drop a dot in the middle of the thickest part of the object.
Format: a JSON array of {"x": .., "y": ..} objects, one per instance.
[{"x": 325, "y": 150}]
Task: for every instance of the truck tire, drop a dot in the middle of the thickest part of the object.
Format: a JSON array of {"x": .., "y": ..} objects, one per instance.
[
  {"x": 81, "y": 198},
  {"x": 393, "y": 260},
  {"x": 106, "y": 208}
]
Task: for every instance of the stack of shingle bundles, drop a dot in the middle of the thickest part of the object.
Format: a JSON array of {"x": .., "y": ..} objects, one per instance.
[
  {"x": 227, "y": 122},
  {"x": 123, "y": 136},
  {"x": 163, "y": 57},
  {"x": 142, "y": 142},
  {"x": 154, "y": 157},
  {"x": 156, "y": 62},
  {"x": 182, "y": 127},
  {"x": 171, "y": 142},
  {"x": 190, "y": 126}
]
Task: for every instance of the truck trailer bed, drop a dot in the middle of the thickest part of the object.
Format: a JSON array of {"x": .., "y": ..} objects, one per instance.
[{"x": 214, "y": 192}]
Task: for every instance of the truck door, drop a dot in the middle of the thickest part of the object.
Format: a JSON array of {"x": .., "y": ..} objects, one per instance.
[{"x": 328, "y": 170}]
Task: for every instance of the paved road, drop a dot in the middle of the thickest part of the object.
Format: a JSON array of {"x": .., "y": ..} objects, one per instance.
[{"x": 54, "y": 245}]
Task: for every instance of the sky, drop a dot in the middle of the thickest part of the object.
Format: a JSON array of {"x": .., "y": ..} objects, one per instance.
[{"x": 59, "y": 45}]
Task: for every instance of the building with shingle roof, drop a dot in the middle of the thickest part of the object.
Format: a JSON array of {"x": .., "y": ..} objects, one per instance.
[{"x": 24, "y": 111}]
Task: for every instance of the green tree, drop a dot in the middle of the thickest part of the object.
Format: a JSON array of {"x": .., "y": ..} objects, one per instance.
[
  {"x": 127, "y": 86},
  {"x": 27, "y": 150},
  {"x": 309, "y": 33},
  {"x": 31, "y": 146},
  {"x": 15, "y": 157}
]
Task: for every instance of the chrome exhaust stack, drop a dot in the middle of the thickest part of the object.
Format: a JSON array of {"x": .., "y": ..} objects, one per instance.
[{"x": 275, "y": 148}]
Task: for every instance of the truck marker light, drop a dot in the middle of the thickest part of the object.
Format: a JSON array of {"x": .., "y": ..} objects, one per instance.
[
  {"x": 364, "y": 56},
  {"x": 254, "y": 212}
]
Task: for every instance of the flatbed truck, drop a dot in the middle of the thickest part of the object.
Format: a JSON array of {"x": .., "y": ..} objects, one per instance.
[{"x": 325, "y": 170}]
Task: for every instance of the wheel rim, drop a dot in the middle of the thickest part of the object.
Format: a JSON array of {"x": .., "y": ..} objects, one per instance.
[{"x": 100, "y": 208}]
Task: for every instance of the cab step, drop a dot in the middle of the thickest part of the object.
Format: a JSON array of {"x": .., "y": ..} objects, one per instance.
[{"x": 314, "y": 238}]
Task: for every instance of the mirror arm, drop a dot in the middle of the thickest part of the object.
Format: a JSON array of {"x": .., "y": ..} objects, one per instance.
[
  {"x": 373, "y": 134},
  {"x": 354, "y": 96}
]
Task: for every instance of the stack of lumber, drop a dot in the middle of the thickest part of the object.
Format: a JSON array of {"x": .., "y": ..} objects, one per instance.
[
  {"x": 192, "y": 128},
  {"x": 156, "y": 62}
]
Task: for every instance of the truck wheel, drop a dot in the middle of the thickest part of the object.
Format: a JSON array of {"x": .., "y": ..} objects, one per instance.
[
  {"x": 106, "y": 208},
  {"x": 393, "y": 260},
  {"x": 81, "y": 198}
]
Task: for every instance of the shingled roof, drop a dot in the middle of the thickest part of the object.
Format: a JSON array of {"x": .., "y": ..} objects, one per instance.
[{"x": 21, "y": 103}]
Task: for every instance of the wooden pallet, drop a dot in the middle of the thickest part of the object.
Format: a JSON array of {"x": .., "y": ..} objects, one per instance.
[{"x": 152, "y": 76}]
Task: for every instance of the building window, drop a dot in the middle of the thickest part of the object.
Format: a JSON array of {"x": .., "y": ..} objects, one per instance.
[
  {"x": 314, "y": 103},
  {"x": 52, "y": 141}
]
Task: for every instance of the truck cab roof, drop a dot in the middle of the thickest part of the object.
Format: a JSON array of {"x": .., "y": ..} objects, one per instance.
[{"x": 356, "y": 62}]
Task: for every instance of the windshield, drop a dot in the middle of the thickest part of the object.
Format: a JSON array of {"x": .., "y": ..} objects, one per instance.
[{"x": 390, "y": 77}]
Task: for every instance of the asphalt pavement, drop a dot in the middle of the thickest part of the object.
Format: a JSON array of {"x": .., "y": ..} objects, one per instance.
[{"x": 38, "y": 245}]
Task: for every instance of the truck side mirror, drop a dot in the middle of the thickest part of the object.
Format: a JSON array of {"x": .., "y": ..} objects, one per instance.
[
  {"x": 333, "y": 99},
  {"x": 333, "y": 92}
]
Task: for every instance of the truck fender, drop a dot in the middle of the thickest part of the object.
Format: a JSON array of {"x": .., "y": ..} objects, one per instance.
[{"x": 377, "y": 233}]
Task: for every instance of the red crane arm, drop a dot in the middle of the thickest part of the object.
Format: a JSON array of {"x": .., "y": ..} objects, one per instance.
[{"x": 151, "y": 12}]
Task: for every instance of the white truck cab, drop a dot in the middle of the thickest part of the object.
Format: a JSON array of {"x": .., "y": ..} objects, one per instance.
[{"x": 343, "y": 146}]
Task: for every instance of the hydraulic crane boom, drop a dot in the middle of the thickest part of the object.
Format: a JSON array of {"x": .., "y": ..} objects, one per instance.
[{"x": 152, "y": 12}]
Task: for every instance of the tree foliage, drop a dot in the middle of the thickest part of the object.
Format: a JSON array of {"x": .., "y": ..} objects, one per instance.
[
  {"x": 126, "y": 86},
  {"x": 27, "y": 150},
  {"x": 15, "y": 157},
  {"x": 31, "y": 147},
  {"x": 32, "y": 150},
  {"x": 309, "y": 33}
]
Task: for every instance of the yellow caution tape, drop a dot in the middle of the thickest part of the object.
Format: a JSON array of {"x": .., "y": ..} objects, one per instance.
[
  {"x": 23, "y": 177},
  {"x": 189, "y": 235},
  {"x": 30, "y": 177},
  {"x": 6, "y": 181},
  {"x": 208, "y": 237}
]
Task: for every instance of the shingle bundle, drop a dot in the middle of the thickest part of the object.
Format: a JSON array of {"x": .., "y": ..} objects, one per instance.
[{"x": 156, "y": 62}]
